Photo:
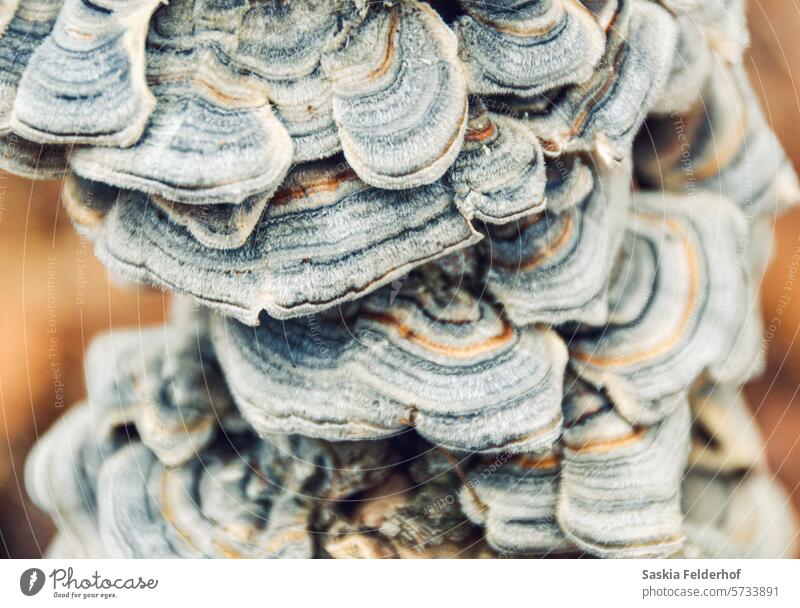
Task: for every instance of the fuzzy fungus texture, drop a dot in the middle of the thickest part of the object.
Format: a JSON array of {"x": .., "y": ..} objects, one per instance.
[{"x": 454, "y": 279}]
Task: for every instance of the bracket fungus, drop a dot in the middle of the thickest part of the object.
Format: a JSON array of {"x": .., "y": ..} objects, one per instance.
[
  {"x": 527, "y": 48},
  {"x": 607, "y": 488},
  {"x": 85, "y": 83},
  {"x": 682, "y": 304},
  {"x": 399, "y": 95},
  {"x": 428, "y": 357},
  {"x": 455, "y": 289}
]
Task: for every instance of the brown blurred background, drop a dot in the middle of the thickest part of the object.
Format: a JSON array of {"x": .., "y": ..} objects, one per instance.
[{"x": 55, "y": 297}]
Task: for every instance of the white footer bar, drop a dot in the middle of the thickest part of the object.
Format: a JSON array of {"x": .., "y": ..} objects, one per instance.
[{"x": 401, "y": 584}]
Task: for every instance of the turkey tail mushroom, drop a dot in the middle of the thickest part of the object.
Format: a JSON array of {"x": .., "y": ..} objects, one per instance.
[
  {"x": 399, "y": 96},
  {"x": 619, "y": 492},
  {"x": 733, "y": 506},
  {"x": 721, "y": 144},
  {"x": 212, "y": 138},
  {"x": 173, "y": 377},
  {"x": 526, "y": 48},
  {"x": 215, "y": 506},
  {"x": 61, "y": 477},
  {"x": 24, "y": 24},
  {"x": 499, "y": 176},
  {"x": 603, "y": 114},
  {"x": 673, "y": 314},
  {"x": 241, "y": 497},
  {"x": 86, "y": 82},
  {"x": 325, "y": 238},
  {"x": 427, "y": 357},
  {"x": 555, "y": 267},
  {"x": 514, "y": 499},
  {"x": 283, "y": 43},
  {"x": 459, "y": 316}
]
